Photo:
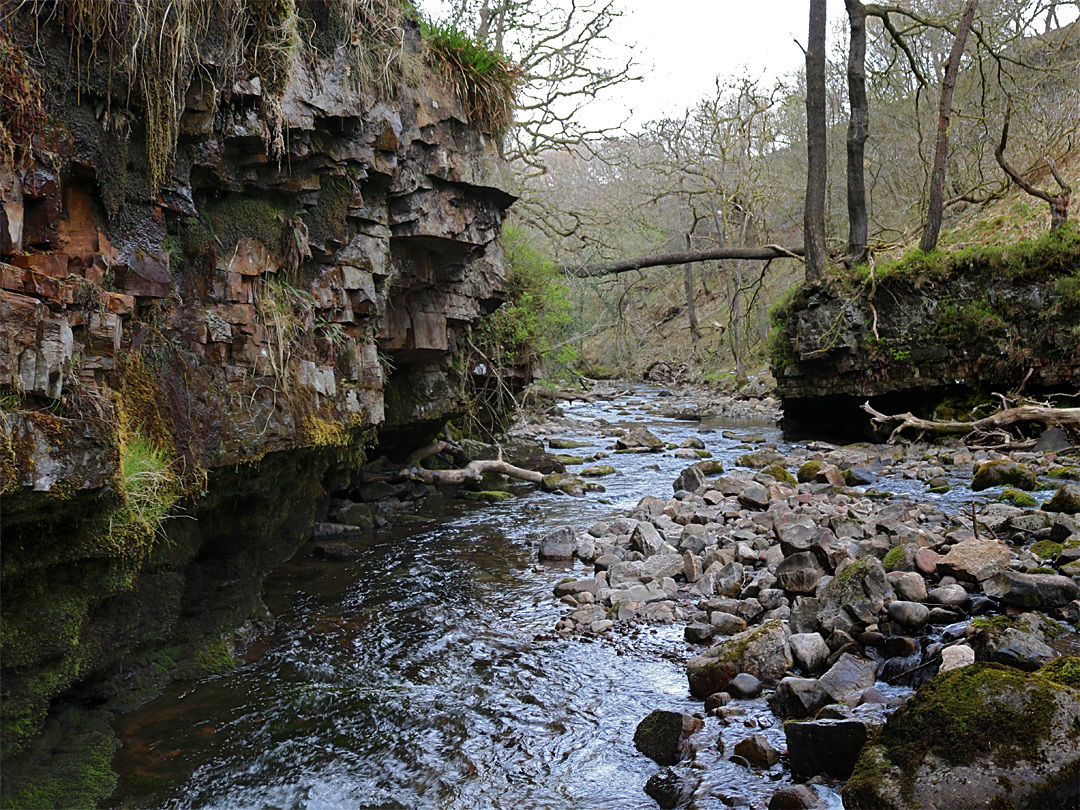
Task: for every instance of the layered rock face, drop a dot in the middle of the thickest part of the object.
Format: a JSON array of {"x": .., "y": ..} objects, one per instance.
[
  {"x": 906, "y": 343},
  {"x": 304, "y": 277}
]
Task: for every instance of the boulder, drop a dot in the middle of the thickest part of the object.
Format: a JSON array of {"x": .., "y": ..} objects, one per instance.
[
  {"x": 1066, "y": 499},
  {"x": 1012, "y": 647},
  {"x": 639, "y": 438},
  {"x": 754, "y": 496},
  {"x": 911, "y": 615},
  {"x": 979, "y": 736},
  {"x": 1042, "y": 591},
  {"x": 756, "y": 750},
  {"x": 1003, "y": 472},
  {"x": 956, "y": 656},
  {"x": 849, "y": 674},
  {"x": 645, "y": 538},
  {"x": 663, "y": 736},
  {"x": 911, "y": 586},
  {"x": 669, "y": 788},
  {"x": 558, "y": 544},
  {"x": 974, "y": 560},
  {"x": 663, "y": 565},
  {"x": 949, "y": 596},
  {"x": 824, "y": 746},
  {"x": 691, "y": 479},
  {"x": 726, "y": 624},
  {"x": 795, "y": 797},
  {"x": 798, "y": 697},
  {"x": 762, "y": 652},
  {"x": 744, "y": 685},
  {"x": 809, "y": 651},
  {"x": 855, "y": 595},
  {"x": 799, "y": 573}
]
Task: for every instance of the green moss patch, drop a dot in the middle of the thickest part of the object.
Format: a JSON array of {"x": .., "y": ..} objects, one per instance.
[
  {"x": 1064, "y": 670},
  {"x": 1017, "y": 498}
]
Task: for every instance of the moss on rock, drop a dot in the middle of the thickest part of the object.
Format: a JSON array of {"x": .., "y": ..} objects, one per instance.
[
  {"x": 780, "y": 473},
  {"x": 985, "y": 729},
  {"x": 1003, "y": 472},
  {"x": 1017, "y": 498}
]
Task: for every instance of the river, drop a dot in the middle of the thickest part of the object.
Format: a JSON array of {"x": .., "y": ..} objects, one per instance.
[{"x": 426, "y": 674}]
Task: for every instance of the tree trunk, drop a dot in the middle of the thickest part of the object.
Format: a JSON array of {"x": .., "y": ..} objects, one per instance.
[
  {"x": 1059, "y": 203},
  {"x": 667, "y": 259},
  {"x": 816, "y": 173},
  {"x": 858, "y": 131},
  {"x": 691, "y": 312},
  {"x": 688, "y": 287},
  {"x": 937, "y": 177}
]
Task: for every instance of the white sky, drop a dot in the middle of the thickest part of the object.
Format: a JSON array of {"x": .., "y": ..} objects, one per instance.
[{"x": 683, "y": 45}]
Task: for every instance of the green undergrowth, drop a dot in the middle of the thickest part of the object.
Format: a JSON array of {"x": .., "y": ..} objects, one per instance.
[
  {"x": 533, "y": 326},
  {"x": 1053, "y": 255}
]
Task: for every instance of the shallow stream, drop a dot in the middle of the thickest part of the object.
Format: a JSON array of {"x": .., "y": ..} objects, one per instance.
[{"x": 426, "y": 674}]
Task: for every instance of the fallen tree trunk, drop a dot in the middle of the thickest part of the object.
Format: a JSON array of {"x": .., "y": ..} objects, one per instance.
[
  {"x": 471, "y": 472},
  {"x": 766, "y": 253},
  {"x": 1024, "y": 414}
]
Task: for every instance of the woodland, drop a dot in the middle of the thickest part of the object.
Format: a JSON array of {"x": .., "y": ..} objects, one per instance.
[{"x": 933, "y": 125}]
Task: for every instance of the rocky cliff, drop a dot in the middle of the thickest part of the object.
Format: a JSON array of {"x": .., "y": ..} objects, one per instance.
[
  {"x": 222, "y": 345},
  {"x": 931, "y": 327}
]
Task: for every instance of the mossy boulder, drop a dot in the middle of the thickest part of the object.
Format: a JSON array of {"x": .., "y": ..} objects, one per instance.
[
  {"x": 1046, "y": 549},
  {"x": 662, "y": 736},
  {"x": 978, "y": 736},
  {"x": 807, "y": 471},
  {"x": 762, "y": 652},
  {"x": 855, "y": 595},
  {"x": 556, "y": 443},
  {"x": 759, "y": 459},
  {"x": 1064, "y": 670},
  {"x": 780, "y": 473},
  {"x": 1003, "y": 472},
  {"x": 568, "y": 484},
  {"x": 1066, "y": 499},
  {"x": 1017, "y": 498},
  {"x": 598, "y": 471},
  {"x": 570, "y": 461}
]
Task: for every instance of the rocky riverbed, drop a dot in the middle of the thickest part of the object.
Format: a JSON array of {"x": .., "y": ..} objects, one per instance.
[{"x": 837, "y": 581}]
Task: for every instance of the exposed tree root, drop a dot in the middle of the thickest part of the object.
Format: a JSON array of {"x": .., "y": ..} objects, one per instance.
[{"x": 993, "y": 425}]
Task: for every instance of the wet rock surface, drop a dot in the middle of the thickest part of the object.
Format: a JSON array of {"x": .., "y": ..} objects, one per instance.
[{"x": 824, "y": 594}]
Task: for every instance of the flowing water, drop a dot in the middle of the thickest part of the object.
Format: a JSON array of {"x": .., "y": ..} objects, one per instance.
[{"x": 426, "y": 674}]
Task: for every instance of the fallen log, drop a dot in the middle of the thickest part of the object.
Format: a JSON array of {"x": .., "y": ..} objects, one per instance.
[
  {"x": 471, "y": 472},
  {"x": 765, "y": 253},
  {"x": 1065, "y": 418}
]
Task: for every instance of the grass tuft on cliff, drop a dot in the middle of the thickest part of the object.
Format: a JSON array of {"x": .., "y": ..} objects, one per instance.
[
  {"x": 484, "y": 80},
  {"x": 151, "y": 488}
]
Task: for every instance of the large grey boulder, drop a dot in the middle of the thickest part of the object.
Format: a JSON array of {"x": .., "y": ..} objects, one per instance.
[
  {"x": 854, "y": 596},
  {"x": 798, "y": 697},
  {"x": 974, "y": 560},
  {"x": 763, "y": 652},
  {"x": 1041, "y": 591},
  {"x": 799, "y": 573},
  {"x": 849, "y": 674},
  {"x": 809, "y": 651},
  {"x": 979, "y": 736},
  {"x": 558, "y": 544}
]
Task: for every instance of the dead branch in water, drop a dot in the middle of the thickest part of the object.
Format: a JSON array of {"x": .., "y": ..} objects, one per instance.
[{"x": 1066, "y": 418}]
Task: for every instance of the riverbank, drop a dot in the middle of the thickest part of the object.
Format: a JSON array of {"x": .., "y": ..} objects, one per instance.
[{"x": 833, "y": 581}]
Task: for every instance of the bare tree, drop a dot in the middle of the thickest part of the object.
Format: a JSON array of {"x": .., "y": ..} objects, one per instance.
[
  {"x": 1059, "y": 203},
  {"x": 937, "y": 178},
  {"x": 858, "y": 132},
  {"x": 816, "y": 142}
]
